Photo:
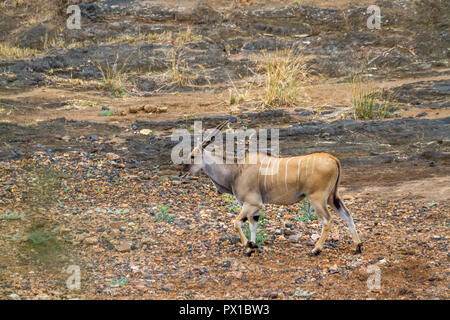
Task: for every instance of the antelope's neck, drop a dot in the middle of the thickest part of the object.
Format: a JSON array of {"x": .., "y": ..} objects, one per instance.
[{"x": 220, "y": 173}]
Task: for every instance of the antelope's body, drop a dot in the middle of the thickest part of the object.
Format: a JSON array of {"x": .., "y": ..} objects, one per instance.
[{"x": 261, "y": 179}]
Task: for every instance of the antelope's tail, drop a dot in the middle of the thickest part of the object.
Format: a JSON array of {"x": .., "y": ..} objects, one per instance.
[{"x": 336, "y": 200}]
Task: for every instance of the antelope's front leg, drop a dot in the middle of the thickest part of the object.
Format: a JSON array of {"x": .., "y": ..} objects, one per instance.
[{"x": 242, "y": 217}]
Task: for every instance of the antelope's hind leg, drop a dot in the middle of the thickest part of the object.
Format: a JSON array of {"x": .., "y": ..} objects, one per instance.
[
  {"x": 325, "y": 218},
  {"x": 343, "y": 212}
]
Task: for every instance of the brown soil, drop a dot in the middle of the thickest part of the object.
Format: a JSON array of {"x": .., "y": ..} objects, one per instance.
[
  {"x": 36, "y": 105},
  {"x": 194, "y": 256}
]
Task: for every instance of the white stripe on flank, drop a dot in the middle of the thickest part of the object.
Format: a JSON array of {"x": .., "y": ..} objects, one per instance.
[
  {"x": 313, "y": 158},
  {"x": 260, "y": 164},
  {"x": 259, "y": 169},
  {"x": 265, "y": 175},
  {"x": 276, "y": 160},
  {"x": 285, "y": 173},
  {"x": 307, "y": 166}
]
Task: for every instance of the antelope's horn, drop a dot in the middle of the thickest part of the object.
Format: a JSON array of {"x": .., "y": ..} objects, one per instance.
[{"x": 211, "y": 137}]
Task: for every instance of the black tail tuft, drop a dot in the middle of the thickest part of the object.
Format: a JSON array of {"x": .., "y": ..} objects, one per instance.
[{"x": 336, "y": 201}]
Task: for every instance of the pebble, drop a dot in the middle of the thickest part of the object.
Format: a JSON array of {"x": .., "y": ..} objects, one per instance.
[
  {"x": 91, "y": 241},
  {"x": 145, "y": 132},
  {"x": 295, "y": 237},
  {"x": 64, "y": 230},
  {"x": 288, "y": 232},
  {"x": 147, "y": 241},
  {"x": 226, "y": 264},
  {"x": 123, "y": 247},
  {"x": 112, "y": 156},
  {"x": 315, "y": 237}
]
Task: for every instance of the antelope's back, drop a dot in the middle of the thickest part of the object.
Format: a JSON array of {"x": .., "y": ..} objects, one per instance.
[{"x": 286, "y": 180}]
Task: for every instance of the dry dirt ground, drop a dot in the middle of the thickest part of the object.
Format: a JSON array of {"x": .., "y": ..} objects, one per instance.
[
  {"x": 137, "y": 235},
  {"x": 76, "y": 198}
]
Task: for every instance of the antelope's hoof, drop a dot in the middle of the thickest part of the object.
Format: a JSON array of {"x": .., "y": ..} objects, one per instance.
[
  {"x": 358, "y": 248},
  {"x": 316, "y": 252},
  {"x": 252, "y": 245},
  {"x": 249, "y": 252}
]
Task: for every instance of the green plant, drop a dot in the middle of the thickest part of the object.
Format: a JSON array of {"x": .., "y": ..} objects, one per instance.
[
  {"x": 163, "y": 215},
  {"x": 365, "y": 104},
  {"x": 241, "y": 94},
  {"x": 306, "y": 212},
  {"x": 119, "y": 282},
  {"x": 113, "y": 77},
  {"x": 431, "y": 204},
  {"x": 233, "y": 205},
  {"x": 302, "y": 293},
  {"x": 38, "y": 237},
  {"x": 11, "y": 216},
  {"x": 107, "y": 113}
]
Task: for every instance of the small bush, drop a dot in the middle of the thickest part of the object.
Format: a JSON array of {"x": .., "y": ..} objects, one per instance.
[
  {"x": 107, "y": 113},
  {"x": 365, "y": 102},
  {"x": 284, "y": 77},
  {"x": 163, "y": 215},
  {"x": 113, "y": 77}
]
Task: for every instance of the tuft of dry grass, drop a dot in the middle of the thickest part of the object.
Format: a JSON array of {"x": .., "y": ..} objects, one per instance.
[
  {"x": 113, "y": 78},
  {"x": 285, "y": 74},
  {"x": 13, "y": 3},
  {"x": 180, "y": 38},
  {"x": 178, "y": 68},
  {"x": 8, "y": 51},
  {"x": 365, "y": 102}
]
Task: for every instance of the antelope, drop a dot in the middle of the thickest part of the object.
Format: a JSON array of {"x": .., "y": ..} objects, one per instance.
[{"x": 274, "y": 180}]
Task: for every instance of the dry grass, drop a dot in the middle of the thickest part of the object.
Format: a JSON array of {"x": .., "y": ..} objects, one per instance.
[
  {"x": 366, "y": 101},
  {"x": 178, "y": 68},
  {"x": 180, "y": 38},
  {"x": 238, "y": 95},
  {"x": 284, "y": 77},
  {"x": 13, "y": 3},
  {"x": 8, "y": 51},
  {"x": 113, "y": 78}
]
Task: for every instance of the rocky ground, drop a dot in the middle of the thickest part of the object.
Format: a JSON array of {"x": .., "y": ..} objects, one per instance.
[{"x": 86, "y": 177}]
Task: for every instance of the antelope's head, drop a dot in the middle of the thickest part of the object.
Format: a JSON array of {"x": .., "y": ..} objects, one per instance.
[{"x": 195, "y": 159}]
